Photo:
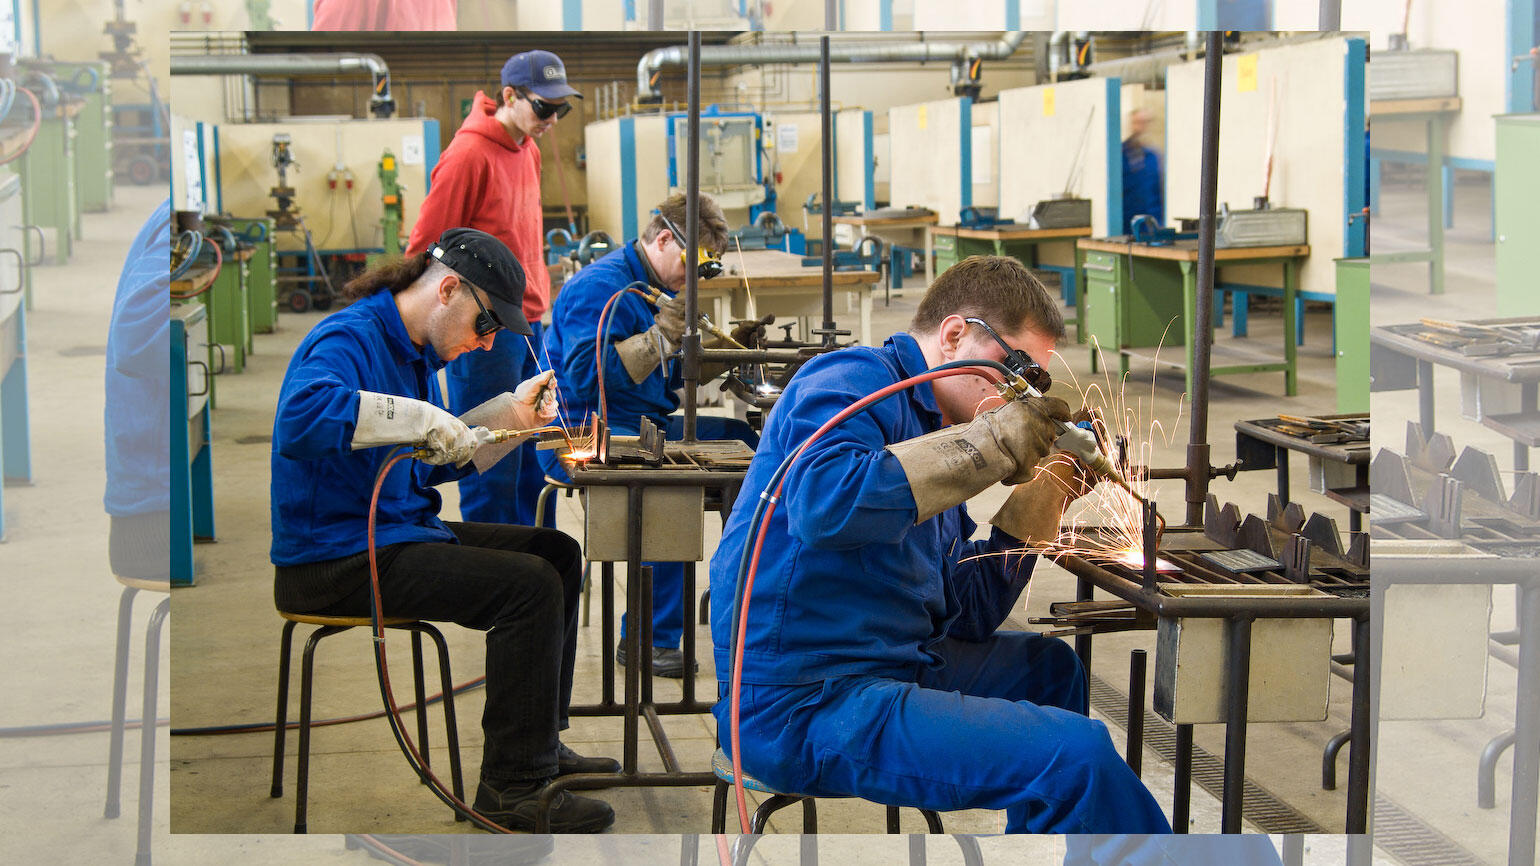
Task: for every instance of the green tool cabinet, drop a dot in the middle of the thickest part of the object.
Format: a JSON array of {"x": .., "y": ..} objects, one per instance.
[
  {"x": 1517, "y": 186},
  {"x": 262, "y": 271},
  {"x": 48, "y": 183},
  {"x": 1118, "y": 314},
  {"x": 1351, "y": 319}
]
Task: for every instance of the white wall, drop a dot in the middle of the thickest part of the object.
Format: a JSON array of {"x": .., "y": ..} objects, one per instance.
[
  {"x": 1308, "y": 169},
  {"x": 1476, "y": 30},
  {"x": 1038, "y": 148}
]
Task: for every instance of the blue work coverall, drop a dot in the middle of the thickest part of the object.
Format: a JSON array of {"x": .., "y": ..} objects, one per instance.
[
  {"x": 1141, "y": 184},
  {"x": 569, "y": 343},
  {"x": 873, "y": 667}
]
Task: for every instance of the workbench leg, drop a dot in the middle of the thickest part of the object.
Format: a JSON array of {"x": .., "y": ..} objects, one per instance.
[
  {"x": 1181, "y": 799},
  {"x": 1374, "y": 186},
  {"x": 1290, "y": 351},
  {"x": 1435, "y": 182},
  {"x": 1528, "y": 409},
  {"x": 1084, "y": 591},
  {"x": 1425, "y": 396},
  {"x": 1080, "y": 322},
  {"x": 203, "y": 487},
  {"x": 930, "y": 257},
  {"x": 15, "y": 437},
  {"x": 1190, "y": 325},
  {"x": 1238, "y": 674},
  {"x": 1359, "y": 748},
  {"x": 1281, "y": 459},
  {"x": 1219, "y": 307},
  {"x": 1446, "y": 185},
  {"x": 1526, "y": 746},
  {"x": 1242, "y": 302}
]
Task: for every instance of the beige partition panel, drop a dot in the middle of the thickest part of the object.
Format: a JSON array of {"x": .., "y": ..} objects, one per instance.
[
  {"x": 602, "y": 143},
  {"x": 1308, "y": 157},
  {"x": 985, "y": 164},
  {"x": 247, "y": 174},
  {"x": 852, "y": 156},
  {"x": 926, "y": 162},
  {"x": 622, "y": 194},
  {"x": 1044, "y": 129}
]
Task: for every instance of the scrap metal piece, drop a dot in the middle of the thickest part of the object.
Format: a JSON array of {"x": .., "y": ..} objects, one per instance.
[
  {"x": 1322, "y": 530},
  {"x": 1241, "y": 561},
  {"x": 1477, "y": 470},
  {"x": 1296, "y": 559},
  {"x": 1443, "y": 506},
  {"x": 1358, "y": 550},
  {"x": 1288, "y": 517},
  {"x": 1253, "y": 535},
  {"x": 1389, "y": 479},
  {"x": 1526, "y": 495},
  {"x": 1220, "y": 524}
]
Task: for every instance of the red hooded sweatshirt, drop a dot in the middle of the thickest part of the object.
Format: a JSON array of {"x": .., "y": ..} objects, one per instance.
[
  {"x": 485, "y": 181},
  {"x": 384, "y": 15}
]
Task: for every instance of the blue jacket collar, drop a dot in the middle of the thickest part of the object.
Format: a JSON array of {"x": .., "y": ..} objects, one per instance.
[
  {"x": 911, "y": 362},
  {"x": 382, "y": 305}
]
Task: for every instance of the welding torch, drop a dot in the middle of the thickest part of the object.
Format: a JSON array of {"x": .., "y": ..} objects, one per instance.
[
  {"x": 1076, "y": 440},
  {"x": 484, "y": 436},
  {"x": 656, "y": 295}
]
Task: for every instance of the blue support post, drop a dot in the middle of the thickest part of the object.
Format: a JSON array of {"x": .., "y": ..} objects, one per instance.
[
  {"x": 628, "y": 224},
  {"x": 869, "y": 194},
  {"x": 1012, "y": 14},
  {"x": 1520, "y": 38},
  {"x": 219, "y": 187},
  {"x": 1374, "y": 186},
  {"x": 430, "y": 152},
  {"x": 885, "y": 15},
  {"x": 15, "y": 432},
  {"x": 1114, "y": 136},
  {"x": 965, "y": 123},
  {"x": 572, "y": 14},
  {"x": 1354, "y": 146}
]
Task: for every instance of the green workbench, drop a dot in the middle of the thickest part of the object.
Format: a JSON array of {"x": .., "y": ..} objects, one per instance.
[
  {"x": 229, "y": 317},
  {"x": 948, "y": 245},
  {"x": 1517, "y": 222},
  {"x": 48, "y": 180},
  {"x": 262, "y": 274},
  {"x": 1140, "y": 296},
  {"x": 1351, "y": 319},
  {"x": 93, "y": 134},
  {"x": 1434, "y": 114}
]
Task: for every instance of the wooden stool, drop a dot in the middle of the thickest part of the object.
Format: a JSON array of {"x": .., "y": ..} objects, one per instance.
[
  {"x": 722, "y": 766},
  {"x": 330, "y": 625},
  {"x": 147, "y": 719}
]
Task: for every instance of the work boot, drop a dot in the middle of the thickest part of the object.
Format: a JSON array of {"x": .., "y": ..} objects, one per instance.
[
  {"x": 569, "y": 762},
  {"x": 514, "y": 806},
  {"x": 666, "y": 662}
]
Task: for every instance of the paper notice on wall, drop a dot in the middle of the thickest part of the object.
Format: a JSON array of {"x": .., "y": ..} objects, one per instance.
[
  {"x": 1048, "y": 101},
  {"x": 923, "y": 117},
  {"x": 411, "y": 150},
  {"x": 194, "y": 170},
  {"x": 983, "y": 155},
  {"x": 1246, "y": 73},
  {"x": 786, "y": 138}
]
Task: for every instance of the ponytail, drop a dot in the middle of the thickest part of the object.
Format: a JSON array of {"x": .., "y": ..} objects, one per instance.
[{"x": 392, "y": 272}]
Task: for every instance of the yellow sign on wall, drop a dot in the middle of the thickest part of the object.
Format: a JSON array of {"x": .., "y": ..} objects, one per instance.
[
  {"x": 924, "y": 116},
  {"x": 1246, "y": 73},
  {"x": 1048, "y": 102}
]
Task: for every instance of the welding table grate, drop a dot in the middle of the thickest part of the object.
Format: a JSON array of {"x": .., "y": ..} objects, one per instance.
[{"x": 1196, "y": 570}]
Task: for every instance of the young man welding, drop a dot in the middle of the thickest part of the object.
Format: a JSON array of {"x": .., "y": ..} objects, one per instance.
[
  {"x": 641, "y": 376},
  {"x": 367, "y": 376},
  {"x": 872, "y": 665},
  {"x": 489, "y": 179}
]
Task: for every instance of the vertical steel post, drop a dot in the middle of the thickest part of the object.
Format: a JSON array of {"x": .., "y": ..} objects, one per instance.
[
  {"x": 1203, "y": 326},
  {"x": 826, "y": 146},
  {"x": 691, "y": 215}
]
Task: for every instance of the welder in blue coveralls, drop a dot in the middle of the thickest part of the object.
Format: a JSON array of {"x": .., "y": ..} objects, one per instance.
[
  {"x": 873, "y": 667},
  {"x": 642, "y": 377},
  {"x": 367, "y": 376},
  {"x": 1142, "y": 192}
]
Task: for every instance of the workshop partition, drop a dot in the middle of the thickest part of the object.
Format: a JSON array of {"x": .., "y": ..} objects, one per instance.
[
  {"x": 1051, "y": 131},
  {"x": 930, "y": 156}
]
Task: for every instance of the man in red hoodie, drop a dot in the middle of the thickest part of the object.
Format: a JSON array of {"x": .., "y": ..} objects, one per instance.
[
  {"x": 383, "y": 15},
  {"x": 489, "y": 179}
]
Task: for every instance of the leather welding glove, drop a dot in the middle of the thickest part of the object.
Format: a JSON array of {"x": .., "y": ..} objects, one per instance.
[
  {"x": 1035, "y": 508},
  {"x": 949, "y": 466},
  {"x": 535, "y": 400},
  {"x": 641, "y": 353},
  {"x": 386, "y": 419}
]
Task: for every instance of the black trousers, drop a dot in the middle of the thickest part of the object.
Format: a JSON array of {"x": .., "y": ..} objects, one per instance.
[{"x": 518, "y": 584}]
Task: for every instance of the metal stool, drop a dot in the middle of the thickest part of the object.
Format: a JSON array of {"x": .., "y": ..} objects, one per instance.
[
  {"x": 330, "y": 625},
  {"x": 147, "y": 718},
  {"x": 722, "y": 766},
  {"x": 551, "y": 486}
]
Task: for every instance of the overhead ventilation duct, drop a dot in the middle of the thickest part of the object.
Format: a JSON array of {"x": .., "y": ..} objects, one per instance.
[
  {"x": 381, "y": 103},
  {"x": 964, "y": 57}
]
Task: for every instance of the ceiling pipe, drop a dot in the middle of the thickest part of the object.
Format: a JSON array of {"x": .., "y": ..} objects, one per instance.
[
  {"x": 851, "y": 52},
  {"x": 295, "y": 65}
]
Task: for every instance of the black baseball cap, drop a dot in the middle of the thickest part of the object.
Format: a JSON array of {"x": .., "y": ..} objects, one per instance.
[
  {"x": 539, "y": 72},
  {"x": 487, "y": 264}
]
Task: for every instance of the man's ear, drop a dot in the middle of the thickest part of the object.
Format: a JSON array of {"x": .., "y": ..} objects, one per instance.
[
  {"x": 509, "y": 94},
  {"x": 949, "y": 334},
  {"x": 447, "y": 286}
]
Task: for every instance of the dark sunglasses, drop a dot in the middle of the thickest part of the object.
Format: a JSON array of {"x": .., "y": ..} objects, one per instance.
[
  {"x": 708, "y": 265},
  {"x": 1017, "y": 361},
  {"x": 487, "y": 321},
  {"x": 543, "y": 109}
]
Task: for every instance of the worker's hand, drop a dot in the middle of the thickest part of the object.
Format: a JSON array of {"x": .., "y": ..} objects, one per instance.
[
  {"x": 535, "y": 400},
  {"x": 1025, "y": 430},
  {"x": 386, "y": 419},
  {"x": 1035, "y": 508},
  {"x": 669, "y": 320},
  {"x": 751, "y": 334}
]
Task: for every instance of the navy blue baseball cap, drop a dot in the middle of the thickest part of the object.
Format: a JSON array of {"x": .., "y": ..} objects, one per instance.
[{"x": 539, "y": 72}]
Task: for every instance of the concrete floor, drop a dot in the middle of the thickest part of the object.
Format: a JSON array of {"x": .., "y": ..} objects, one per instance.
[{"x": 222, "y": 665}]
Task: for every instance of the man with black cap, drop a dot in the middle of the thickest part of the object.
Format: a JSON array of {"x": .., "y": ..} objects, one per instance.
[
  {"x": 366, "y": 376},
  {"x": 489, "y": 179}
]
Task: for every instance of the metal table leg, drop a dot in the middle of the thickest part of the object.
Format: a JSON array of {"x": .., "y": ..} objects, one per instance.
[{"x": 1239, "y": 685}]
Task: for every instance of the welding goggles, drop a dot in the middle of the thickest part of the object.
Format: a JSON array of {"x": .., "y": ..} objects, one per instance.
[
  {"x": 1017, "y": 361},
  {"x": 707, "y": 265}
]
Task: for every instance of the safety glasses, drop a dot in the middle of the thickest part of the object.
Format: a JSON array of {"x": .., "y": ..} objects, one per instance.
[
  {"x": 543, "y": 109},
  {"x": 487, "y": 321},
  {"x": 1017, "y": 361},
  {"x": 707, "y": 264}
]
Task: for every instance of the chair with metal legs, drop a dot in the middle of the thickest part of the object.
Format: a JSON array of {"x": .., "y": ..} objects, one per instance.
[{"x": 147, "y": 718}]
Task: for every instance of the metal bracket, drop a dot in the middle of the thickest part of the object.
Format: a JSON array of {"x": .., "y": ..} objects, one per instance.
[
  {"x": 21, "y": 270},
  {"x": 1477, "y": 470},
  {"x": 1443, "y": 506}
]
